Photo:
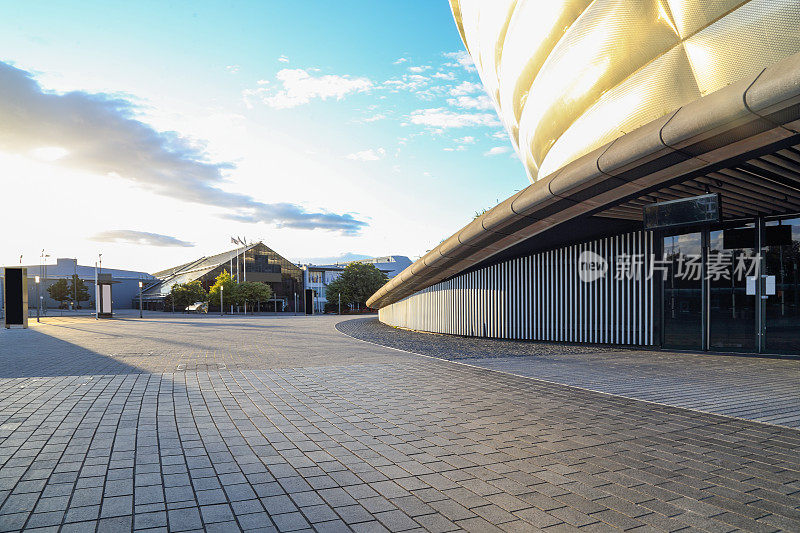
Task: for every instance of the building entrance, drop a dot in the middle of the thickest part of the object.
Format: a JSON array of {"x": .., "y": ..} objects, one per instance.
[
  {"x": 731, "y": 310},
  {"x": 782, "y": 309},
  {"x": 721, "y": 294}
]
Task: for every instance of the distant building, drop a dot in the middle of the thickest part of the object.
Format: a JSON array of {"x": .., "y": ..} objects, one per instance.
[
  {"x": 255, "y": 262},
  {"x": 317, "y": 277},
  {"x": 392, "y": 265},
  {"x": 124, "y": 290}
]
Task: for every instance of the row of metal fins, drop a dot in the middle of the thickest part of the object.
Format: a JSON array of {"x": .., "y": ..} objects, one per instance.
[{"x": 541, "y": 297}]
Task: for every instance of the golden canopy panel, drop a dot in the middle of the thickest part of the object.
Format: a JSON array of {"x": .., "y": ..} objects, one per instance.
[{"x": 568, "y": 76}]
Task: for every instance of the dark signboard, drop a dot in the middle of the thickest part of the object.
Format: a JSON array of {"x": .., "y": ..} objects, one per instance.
[
  {"x": 733, "y": 239},
  {"x": 683, "y": 212},
  {"x": 14, "y": 300},
  {"x": 309, "y": 301}
]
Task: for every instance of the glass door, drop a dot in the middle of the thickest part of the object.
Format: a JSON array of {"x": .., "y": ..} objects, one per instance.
[
  {"x": 683, "y": 292},
  {"x": 731, "y": 311},
  {"x": 782, "y": 306}
]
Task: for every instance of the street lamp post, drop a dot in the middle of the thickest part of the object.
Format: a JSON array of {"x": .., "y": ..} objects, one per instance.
[
  {"x": 221, "y": 309},
  {"x": 140, "y": 299},
  {"x": 340, "y": 303},
  {"x": 43, "y": 265},
  {"x": 38, "y": 306}
]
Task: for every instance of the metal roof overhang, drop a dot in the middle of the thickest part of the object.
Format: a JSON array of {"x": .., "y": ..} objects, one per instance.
[{"x": 742, "y": 141}]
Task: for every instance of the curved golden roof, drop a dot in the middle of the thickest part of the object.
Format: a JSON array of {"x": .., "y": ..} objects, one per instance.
[{"x": 568, "y": 76}]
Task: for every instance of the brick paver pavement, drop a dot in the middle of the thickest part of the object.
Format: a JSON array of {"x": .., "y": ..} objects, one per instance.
[
  {"x": 737, "y": 385},
  {"x": 284, "y": 423}
]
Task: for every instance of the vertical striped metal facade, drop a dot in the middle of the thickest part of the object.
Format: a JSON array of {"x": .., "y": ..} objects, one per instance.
[{"x": 542, "y": 297}]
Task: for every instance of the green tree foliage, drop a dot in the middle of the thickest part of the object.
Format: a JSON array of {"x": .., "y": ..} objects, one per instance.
[
  {"x": 356, "y": 284},
  {"x": 252, "y": 292},
  {"x": 78, "y": 290},
  {"x": 225, "y": 282},
  {"x": 59, "y": 291},
  {"x": 185, "y": 294}
]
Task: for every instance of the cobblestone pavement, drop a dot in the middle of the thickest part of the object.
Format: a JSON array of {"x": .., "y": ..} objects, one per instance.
[
  {"x": 752, "y": 388},
  {"x": 123, "y": 424}
]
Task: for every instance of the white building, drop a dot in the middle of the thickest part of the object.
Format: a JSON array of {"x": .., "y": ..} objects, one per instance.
[{"x": 317, "y": 278}]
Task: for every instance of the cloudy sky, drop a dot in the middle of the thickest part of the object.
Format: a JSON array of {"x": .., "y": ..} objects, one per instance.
[{"x": 151, "y": 133}]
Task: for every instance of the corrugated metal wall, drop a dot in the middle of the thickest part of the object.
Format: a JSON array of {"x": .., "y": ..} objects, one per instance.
[{"x": 542, "y": 297}]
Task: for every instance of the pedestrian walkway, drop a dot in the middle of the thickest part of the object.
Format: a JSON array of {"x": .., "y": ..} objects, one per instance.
[
  {"x": 753, "y": 388},
  {"x": 286, "y": 424}
]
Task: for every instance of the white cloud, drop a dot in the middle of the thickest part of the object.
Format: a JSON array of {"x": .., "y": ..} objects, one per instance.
[
  {"x": 233, "y": 69},
  {"x": 481, "y": 102},
  {"x": 367, "y": 155},
  {"x": 502, "y": 134},
  {"x": 126, "y": 236},
  {"x": 407, "y": 82},
  {"x": 283, "y": 59},
  {"x": 374, "y": 118},
  {"x": 300, "y": 87},
  {"x": 400, "y": 60},
  {"x": 101, "y": 135},
  {"x": 468, "y": 139},
  {"x": 459, "y": 148},
  {"x": 444, "y": 75},
  {"x": 443, "y": 118},
  {"x": 460, "y": 59},
  {"x": 49, "y": 153},
  {"x": 466, "y": 87},
  {"x": 418, "y": 69},
  {"x": 497, "y": 150}
]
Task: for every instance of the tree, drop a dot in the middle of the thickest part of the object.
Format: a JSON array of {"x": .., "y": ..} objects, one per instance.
[
  {"x": 185, "y": 294},
  {"x": 252, "y": 292},
  {"x": 228, "y": 286},
  {"x": 356, "y": 284},
  {"x": 59, "y": 291},
  {"x": 78, "y": 290}
]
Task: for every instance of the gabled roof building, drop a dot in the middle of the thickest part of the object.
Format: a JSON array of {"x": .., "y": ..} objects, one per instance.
[{"x": 254, "y": 262}]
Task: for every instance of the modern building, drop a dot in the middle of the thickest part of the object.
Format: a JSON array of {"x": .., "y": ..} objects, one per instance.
[
  {"x": 125, "y": 288},
  {"x": 317, "y": 277},
  {"x": 614, "y": 109},
  {"x": 254, "y": 262},
  {"x": 391, "y": 265}
]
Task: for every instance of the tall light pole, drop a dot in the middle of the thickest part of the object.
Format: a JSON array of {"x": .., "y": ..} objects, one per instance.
[
  {"x": 39, "y": 305},
  {"x": 96, "y": 295},
  {"x": 221, "y": 309},
  {"x": 44, "y": 278},
  {"x": 140, "y": 299},
  {"x": 340, "y": 303}
]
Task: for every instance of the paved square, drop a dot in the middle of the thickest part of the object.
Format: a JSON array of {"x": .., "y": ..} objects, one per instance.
[{"x": 192, "y": 423}]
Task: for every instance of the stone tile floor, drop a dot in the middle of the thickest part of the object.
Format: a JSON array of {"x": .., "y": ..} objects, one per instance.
[
  {"x": 286, "y": 424},
  {"x": 753, "y": 388}
]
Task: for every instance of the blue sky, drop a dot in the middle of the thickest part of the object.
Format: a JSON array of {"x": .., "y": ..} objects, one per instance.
[{"x": 323, "y": 128}]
